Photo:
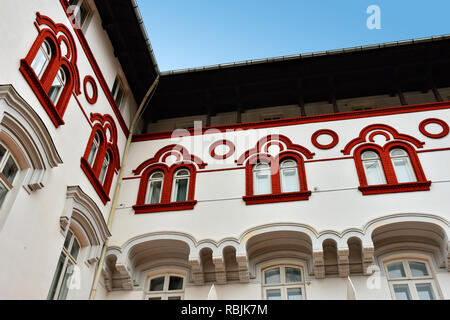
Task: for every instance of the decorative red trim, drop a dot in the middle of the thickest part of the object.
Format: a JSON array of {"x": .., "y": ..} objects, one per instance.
[
  {"x": 276, "y": 195},
  {"x": 279, "y": 197},
  {"x": 329, "y": 132},
  {"x": 148, "y": 167},
  {"x": 96, "y": 68},
  {"x": 177, "y": 150},
  {"x": 274, "y": 139},
  {"x": 433, "y": 150},
  {"x": 231, "y": 146},
  {"x": 105, "y": 127},
  {"x": 374, "y": 133},
  {"x": 443, "y": 124},
  {"x": 94, "y": 181},
  {"x": 303, "y": 120},
  {"x": 163, "y": 207},
  {"x": 55, "y": 34},
  {"x": 392, "y": 184},
  {"x": 93, "y": 99},
  {"x": 82, "y": 110},
  {"x": 366, "y": 130},
  {"x": 395, "y": 188}
]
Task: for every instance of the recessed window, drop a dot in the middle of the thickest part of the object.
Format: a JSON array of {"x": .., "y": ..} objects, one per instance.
[
  {"x": 8, "y": 172},
  {"x": 181, "y": 185},
  {"x": 57, "y": 86},
  {"x": 283, "y": 283},
  {"x": 42, "y": 58},
  {"x": 262, "y": 180},
  {"x": 289, "y": 176},
  {"x": 105, "y": 166},
  {"x": 411, "y": 280},
  {"x": 402, "y": 165},
  {"x": 65, "y": 268},
  {"x": 117, "y": 91},
  {"x": 83, "y": 12},
  {"x": 373, "y": 168},
  {"x": 155, "y": 184},
  {"x": 94, "y": 149},
  {"x": 165, "y": 287}
]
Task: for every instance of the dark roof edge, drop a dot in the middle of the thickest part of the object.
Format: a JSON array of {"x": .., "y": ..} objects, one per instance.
[
  {"x": 306, "y": 55},
  {"x": 144, "y": 34}
]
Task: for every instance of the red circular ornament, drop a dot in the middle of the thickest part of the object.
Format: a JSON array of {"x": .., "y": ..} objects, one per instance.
[
  {"x": 443, "y": 124},
  {"x": 331, "y": 133},
  {"x": 93, "y": 99},
  {"x": 212, "y": 149}
]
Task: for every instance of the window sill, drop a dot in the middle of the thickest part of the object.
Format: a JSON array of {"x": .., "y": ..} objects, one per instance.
[
  {"x": 162, "y": 207},
  {"x": 94, "y": 181},
  {"x": 280, "y": 197},
  {"x": 42, "y": 96},
  {"x": 394, "y": 188}
]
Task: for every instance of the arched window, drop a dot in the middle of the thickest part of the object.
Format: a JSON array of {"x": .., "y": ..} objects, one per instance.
[
  {"x": 289, "y": 176},
  {"x": 57, "y": 86},
  {"x": 105, "y": 167},
  {"x": 94, "y": 149},
  {"x": 402, "y": 165},
  {"x": 8, "y": 172},
  {"x": 165, "y": 287},
  {"x": 155, "y": 185},
  {"x": 180, "y": 185},
  {"x": 42, "y": 59},
  {"x": 65, "y": 268},
  {"x": 373, "y": 168},
  {"x": 262, "y": 183},
  {"x": 411, "y": 279},
  {"x": 283, "y": 283}
]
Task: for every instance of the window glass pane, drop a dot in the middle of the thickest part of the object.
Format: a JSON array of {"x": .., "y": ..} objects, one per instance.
[
  {"x": 398, "y": 153},
  {"x": 39, "y": 62},
  {"x": 262, "y": 182},
  {"x": 67, "y": 241},
  {"x": 272, "y": 276},
  {"x": 418, "y": 269},
  {"x": 157, "y": 284},
  {"x": 56, "y": 277},
  {"x": 84, "y": 13},
  {"x": 273, "y": 294},
  {"x": 155, "y": 191},
  {"x": 403, "y": 170},
  {"x": 75, "y": 249},
  {"x": 182, "y": 173},
  {"x": 174, "y": 298},
  {"x": 369, "y": 155},
  {"x": 181, "y": 186},
  {"x": 93, "y": 152},
  {"x": 10, "y": 170},
  {"x": 157, "y": 175},
  {"x": 374, "y": 172},
  {"x": 402, "y": 292},
  {"x": 290, "y": 180},
  {"x": 293, "y": 275},
  {"x": 105, "y": 166},
  {"x": 55, "y": 90},
  {"x": 3, "y": 193},
  {"x": 2, "y": 152},
  {"x": 396, "y": 270},
  {"x": 425, "y": 291},
  {"x": 294, "y": 294},
  {"x": 176, "y": 283},
  {"x": 65, "y": 284}
]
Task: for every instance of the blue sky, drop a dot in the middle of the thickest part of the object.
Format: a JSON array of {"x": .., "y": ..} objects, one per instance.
[{"x": 194, "y": 33}]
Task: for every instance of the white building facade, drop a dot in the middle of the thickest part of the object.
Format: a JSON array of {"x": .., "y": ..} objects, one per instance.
[{"x": 287, "y": 201}]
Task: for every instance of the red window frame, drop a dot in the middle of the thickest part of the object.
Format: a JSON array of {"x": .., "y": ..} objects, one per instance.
[
  {"x": 276, "y": 195},
  {"x": 55, "y": 35},
  {"x": 392, "y": 185},
  {"x": 104, "y": 124},
  {"x": 166, "y": 193}
]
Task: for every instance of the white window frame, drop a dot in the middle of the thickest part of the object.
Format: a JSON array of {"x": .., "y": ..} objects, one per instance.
[
  {"x": 410, "y": 169},
  {"x": 61, "y": 78},
  {"x": 8, "y": 185},
  {"x": 283, "y": 168},
  {"x": 376, "y": 159},
  {"x": 174, "y": 187},
  {"x": 283, "y": 286},
  {"x": 80, "y": 3},
  {"x": 164, "y": 294},
  {"x": 255, "y": 169},
  {"x": 409, "y": 280},
  {"x": 46, "y": 51},
  {"x": 152, "y": 179},
  {"x": 105, "y": 165},
  {"x": 115, "y": 90},
  {"x": 67, "y": 257},
  {"x": 96, "y": 144}
]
